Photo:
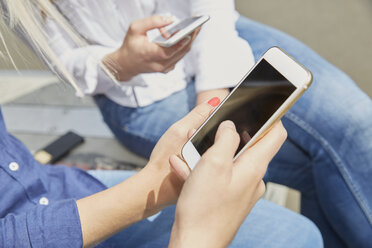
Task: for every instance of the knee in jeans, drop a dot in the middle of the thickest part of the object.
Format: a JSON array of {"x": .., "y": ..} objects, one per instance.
[
  {"x": 299, "y": 231},
  {"x": 308, "y": 234},
  {"x": 295, "y": 230}
]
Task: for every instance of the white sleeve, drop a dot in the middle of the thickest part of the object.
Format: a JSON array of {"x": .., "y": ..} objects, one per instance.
[
  {"x": 84, "y": 63},
  {"x": 222, "y": 57}
]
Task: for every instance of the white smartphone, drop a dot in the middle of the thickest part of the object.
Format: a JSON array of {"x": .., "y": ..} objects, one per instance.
[
  {"x": 180, "y": 30},
  {"x": 260, "y": 99}
]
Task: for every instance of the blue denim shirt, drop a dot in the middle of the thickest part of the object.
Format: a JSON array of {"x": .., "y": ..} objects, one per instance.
[{"x": 38, "y": 203}]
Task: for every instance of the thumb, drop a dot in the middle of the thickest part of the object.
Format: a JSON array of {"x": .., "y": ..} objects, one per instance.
[
  {"x": 261, "y": 153},
  {"x": 143, "y": 25},
  {"x": 224, "y": 148},
  {"x": 179, "y": 167}
]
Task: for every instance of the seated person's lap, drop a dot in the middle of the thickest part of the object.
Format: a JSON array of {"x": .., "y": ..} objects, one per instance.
[{"x": 268, "y": 225}]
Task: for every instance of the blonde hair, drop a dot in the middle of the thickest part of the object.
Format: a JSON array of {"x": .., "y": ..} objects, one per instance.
[{"x": 26, "y": 16}]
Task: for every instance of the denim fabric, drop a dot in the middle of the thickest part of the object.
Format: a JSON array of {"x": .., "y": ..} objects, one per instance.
[
  {"x": 38, "y": 207},
  {"x": 37, "y": 202},
  {"x": 139, "y": 129},
  {"x": 268, "y": 225},
  {"x": 328, "y": 154}
]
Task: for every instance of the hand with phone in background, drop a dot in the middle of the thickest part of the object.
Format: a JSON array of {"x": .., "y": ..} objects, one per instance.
[
  {"x": 262, "y": 97},
  {"x": 139, "y": 55}
]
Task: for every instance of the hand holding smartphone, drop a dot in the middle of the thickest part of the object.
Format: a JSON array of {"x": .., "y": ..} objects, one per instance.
[
  {"x": 180, "y": 30},
  {"x": 262, "y": 97}
]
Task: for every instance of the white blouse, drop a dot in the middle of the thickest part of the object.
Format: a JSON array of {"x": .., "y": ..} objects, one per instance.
[{"x": 218, "y": 59}]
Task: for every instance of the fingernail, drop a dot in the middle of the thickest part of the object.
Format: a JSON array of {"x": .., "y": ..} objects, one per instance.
[
  {"x": 214, "y": 101},
  {"x": 228, "y": 124}
]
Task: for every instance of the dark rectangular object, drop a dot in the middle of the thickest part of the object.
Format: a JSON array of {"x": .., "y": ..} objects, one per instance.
[{"x": 58, "y": 148}]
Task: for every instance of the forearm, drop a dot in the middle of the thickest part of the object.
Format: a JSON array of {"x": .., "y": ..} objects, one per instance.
[
  {"x": 209, "y": 94},
  {"x": 106, "y": 213}
]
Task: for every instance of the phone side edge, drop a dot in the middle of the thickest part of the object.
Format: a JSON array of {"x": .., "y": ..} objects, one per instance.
[
  {"x": 289, "y": 67},
  {"x": 283, "y": 109}
]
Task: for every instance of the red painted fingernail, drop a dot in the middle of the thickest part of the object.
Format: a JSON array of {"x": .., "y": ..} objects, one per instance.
[{"x": 214, "y": 101}]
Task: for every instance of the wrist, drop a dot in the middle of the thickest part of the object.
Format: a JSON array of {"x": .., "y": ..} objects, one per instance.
[
  {"x": 192, "y": 237},
  {"x": 179, "y": 238},
  {"x": 165, "y": 183},
  {"x": 117, "y": 64}
]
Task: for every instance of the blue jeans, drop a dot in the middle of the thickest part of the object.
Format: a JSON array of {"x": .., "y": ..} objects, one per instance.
[
  {"x": 328, "y": 154},
  {"x": 268, "y": 225}
]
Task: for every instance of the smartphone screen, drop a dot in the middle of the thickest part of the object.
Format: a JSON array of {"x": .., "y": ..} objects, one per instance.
[
  {"x": 250, "y": 106},
  {"x": 178, "y": 27},
  {"x": 181, "y": 25}
]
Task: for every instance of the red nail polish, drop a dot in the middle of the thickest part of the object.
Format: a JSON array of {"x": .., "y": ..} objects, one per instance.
[{"x": 214, "y": 101}]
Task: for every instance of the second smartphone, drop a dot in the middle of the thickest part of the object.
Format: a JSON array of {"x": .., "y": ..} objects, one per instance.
[
  {"x": 262, "y": 97},
  {"x": 180, "y": 30}
]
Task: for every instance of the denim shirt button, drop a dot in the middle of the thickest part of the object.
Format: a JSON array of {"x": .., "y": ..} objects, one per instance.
[
  {"x": 14, "y": 166},
  {"x": 44, "y": 201}
]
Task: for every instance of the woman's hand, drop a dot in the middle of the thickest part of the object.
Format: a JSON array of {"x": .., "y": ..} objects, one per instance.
[
  {"x": 138, "y": 55},
  {"x": 171, "y": 143},
  {"x": 219, "y": 193},
  {"x": 146, "y": 192}
]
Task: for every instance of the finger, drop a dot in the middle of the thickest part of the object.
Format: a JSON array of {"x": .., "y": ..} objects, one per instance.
[
  {"x": 177, "y": 56},
  {"x": 259, "y": 156},
  {"x": 188, "y": 40},
  {"x": 245, "y": 137},
  {"x": 269, "y": 145},
  {"x": 165, "y": 33},
  {"x": 185, "y": 41},
  {"x": 183, "y": 48},
  {"x": 226, "y": 142},
  {"x": 191, "y": 133},
  {"x": 143, "y": 25},
  {"x": 168, "y": 53},
  {"x": 165, "y": 55},
  {"x": 196, "y": 32},
  {"x": 197, "y": 116},
  {"x": 179, "y": 167},
  {"x": 175, "y": 53},
  {"x": 169, "y": 69},
  {"x": 171, "y": 55}
]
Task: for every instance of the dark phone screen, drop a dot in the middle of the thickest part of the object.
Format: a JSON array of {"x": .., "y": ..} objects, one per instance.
[{"x": 250, "y": 106}]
